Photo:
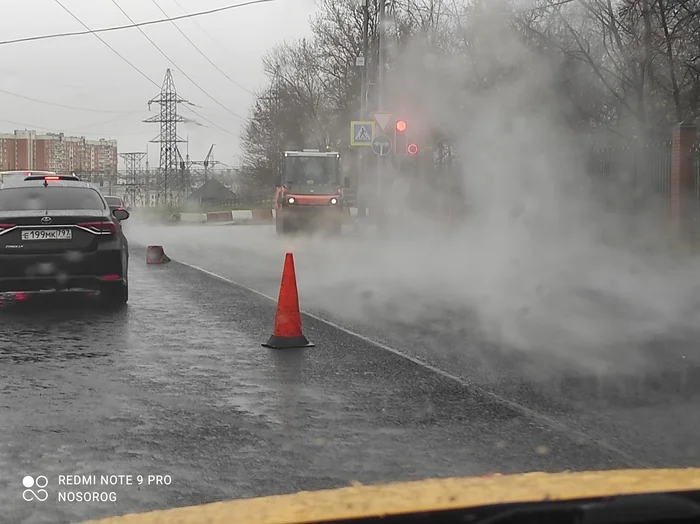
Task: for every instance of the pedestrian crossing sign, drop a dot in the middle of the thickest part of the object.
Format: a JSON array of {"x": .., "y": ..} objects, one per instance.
[{"x": 362, "y": 133}]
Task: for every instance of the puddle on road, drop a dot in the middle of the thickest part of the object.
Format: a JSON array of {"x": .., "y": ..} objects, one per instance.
[
  {"x": 59, "y": 328},
  {"x": 170, "y": 339}
]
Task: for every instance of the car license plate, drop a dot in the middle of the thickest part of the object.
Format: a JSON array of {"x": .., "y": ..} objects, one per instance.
[{"x": 47, "y": 234}]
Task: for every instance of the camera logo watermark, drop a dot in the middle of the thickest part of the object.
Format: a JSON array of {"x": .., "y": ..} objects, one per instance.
[{"x": 39, "y": 482}]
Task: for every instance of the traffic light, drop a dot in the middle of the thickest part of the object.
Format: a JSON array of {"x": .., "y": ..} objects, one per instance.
[
  {"x": 412, "y": 149},
  {"x": 400, "y": 138}
]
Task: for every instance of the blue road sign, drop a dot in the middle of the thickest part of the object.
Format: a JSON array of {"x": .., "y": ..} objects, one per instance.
[
  {"x": 361, "y": 133},
  {"x": 381, "y": 145}
]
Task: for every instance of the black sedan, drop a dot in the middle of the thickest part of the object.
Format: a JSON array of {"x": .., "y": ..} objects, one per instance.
[
  {"x": 62, "y": 236},
  {"x": 114, "y": 202}
]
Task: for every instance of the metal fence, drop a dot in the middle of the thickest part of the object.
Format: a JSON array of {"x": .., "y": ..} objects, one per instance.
[
  {"x": 644, "y": 168},
  {"x": 634, "y": 177},
  {"x": 694, "y": 192},
  {"x": 634, "y": 172}
]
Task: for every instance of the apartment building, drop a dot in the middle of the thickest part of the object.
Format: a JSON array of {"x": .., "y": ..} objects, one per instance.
[{"x": 56, "y": 152}]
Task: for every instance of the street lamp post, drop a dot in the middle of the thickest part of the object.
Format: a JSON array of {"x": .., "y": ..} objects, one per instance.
[
  {"x": 381, "y": 86},
  {"x": 362, "y": 62}
]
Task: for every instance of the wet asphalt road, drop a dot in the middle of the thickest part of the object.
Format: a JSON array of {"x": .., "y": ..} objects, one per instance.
[{"x": 177, "y": 384}]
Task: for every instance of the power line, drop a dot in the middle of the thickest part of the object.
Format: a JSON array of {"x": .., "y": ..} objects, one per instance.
[
  {"x": 205, "y": 32},
  {"x": 105, "y": 43},
  {"x": 82, "y": 131},
  {"x": 202, "y": 53},
  {"x": 174, "y": 64},
  {"x": 109, "y": 121},
  {"x": 90, "y": 110},
  {"x": 212, "y": 123},
  {"x": 518, "y": 11},
  {"x": 139, "y": 71},
  {"x": 132, "y": 25}
]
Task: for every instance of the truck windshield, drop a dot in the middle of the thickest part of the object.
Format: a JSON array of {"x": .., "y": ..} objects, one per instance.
[{"x": 311, "y": 171}]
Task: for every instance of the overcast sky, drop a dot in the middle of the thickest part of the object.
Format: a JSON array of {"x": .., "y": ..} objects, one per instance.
[{"x": 81, "y": 71}]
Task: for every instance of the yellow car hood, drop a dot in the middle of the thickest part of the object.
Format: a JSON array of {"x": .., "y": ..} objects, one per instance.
[{"x": 422, "y": 496}]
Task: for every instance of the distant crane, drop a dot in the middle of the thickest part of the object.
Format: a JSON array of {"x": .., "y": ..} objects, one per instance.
[
  {"x": 206, "y": 163},
  {"x": 184, "y": 173}
]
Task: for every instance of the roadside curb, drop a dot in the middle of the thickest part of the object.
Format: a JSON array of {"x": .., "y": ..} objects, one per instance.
[
  {"x": 240, "y": 223},
  {"x": 254, "y": 217}
]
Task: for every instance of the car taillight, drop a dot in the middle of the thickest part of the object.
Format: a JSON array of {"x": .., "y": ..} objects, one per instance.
[
  {"x": 6, "y": 226},
  {"x": 104, "y": 228},
  {"x": 52, "y": 178}
]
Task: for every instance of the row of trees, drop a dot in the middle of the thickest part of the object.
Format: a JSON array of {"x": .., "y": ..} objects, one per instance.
[{"x": 614, "y": 69}]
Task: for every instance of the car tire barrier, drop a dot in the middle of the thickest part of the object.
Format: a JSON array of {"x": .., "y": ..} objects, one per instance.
[
  {"x": 288, "y": 333},
  {"x": 156, "y": 255}
]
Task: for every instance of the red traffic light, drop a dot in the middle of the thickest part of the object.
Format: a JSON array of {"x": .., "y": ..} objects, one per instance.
[
  {"x": 401, "y": 126},
  {"x": 412, "y": 149}
]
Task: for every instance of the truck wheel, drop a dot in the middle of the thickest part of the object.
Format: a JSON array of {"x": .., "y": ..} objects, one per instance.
[
  {"x": 284, "y": 227},
  {"x": 337, "y": 228}
]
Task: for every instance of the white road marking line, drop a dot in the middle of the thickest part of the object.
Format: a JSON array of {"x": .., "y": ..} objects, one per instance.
[{"x": 554, "y": 424}]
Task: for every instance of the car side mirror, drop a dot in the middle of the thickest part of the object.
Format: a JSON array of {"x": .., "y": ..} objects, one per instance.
[
  {"x": 121, "y": 214},
  {"x": 346, "y": 181}
]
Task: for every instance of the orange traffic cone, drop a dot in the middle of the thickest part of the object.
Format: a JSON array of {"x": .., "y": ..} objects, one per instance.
[
  {"x": 288, "y": 333},
  {"x": 156, "y": 255}
]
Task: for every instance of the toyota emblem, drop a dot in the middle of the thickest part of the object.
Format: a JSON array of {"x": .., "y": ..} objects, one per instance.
[{"x": 45, "y": 220}]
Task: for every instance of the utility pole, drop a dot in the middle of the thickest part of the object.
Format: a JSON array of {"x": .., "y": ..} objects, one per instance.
[
  {"x": 382, "y": 56},
  {"x": 381, "y": 86},
  {"x": 132, "y": 161},
  {"x": 361, "y": 163},
  {"x": 275, "y": 95},
  {"x": 168, "y": 138},
  {"x": 365, "y": 57},
  {"x": 208, "y": 162}
]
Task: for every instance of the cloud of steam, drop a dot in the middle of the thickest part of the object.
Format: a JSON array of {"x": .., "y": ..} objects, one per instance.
[
  {"x": 540, "y": 261},
  {"x": 541, "y": 264}
]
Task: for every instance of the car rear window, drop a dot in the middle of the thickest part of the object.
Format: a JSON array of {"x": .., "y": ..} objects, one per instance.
[
  {"x": 39, "y": 198},
  {"x": 113, "y": 201}
]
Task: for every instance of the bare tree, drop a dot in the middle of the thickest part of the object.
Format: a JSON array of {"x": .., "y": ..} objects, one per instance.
[{"x": 629, "y": 68}]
